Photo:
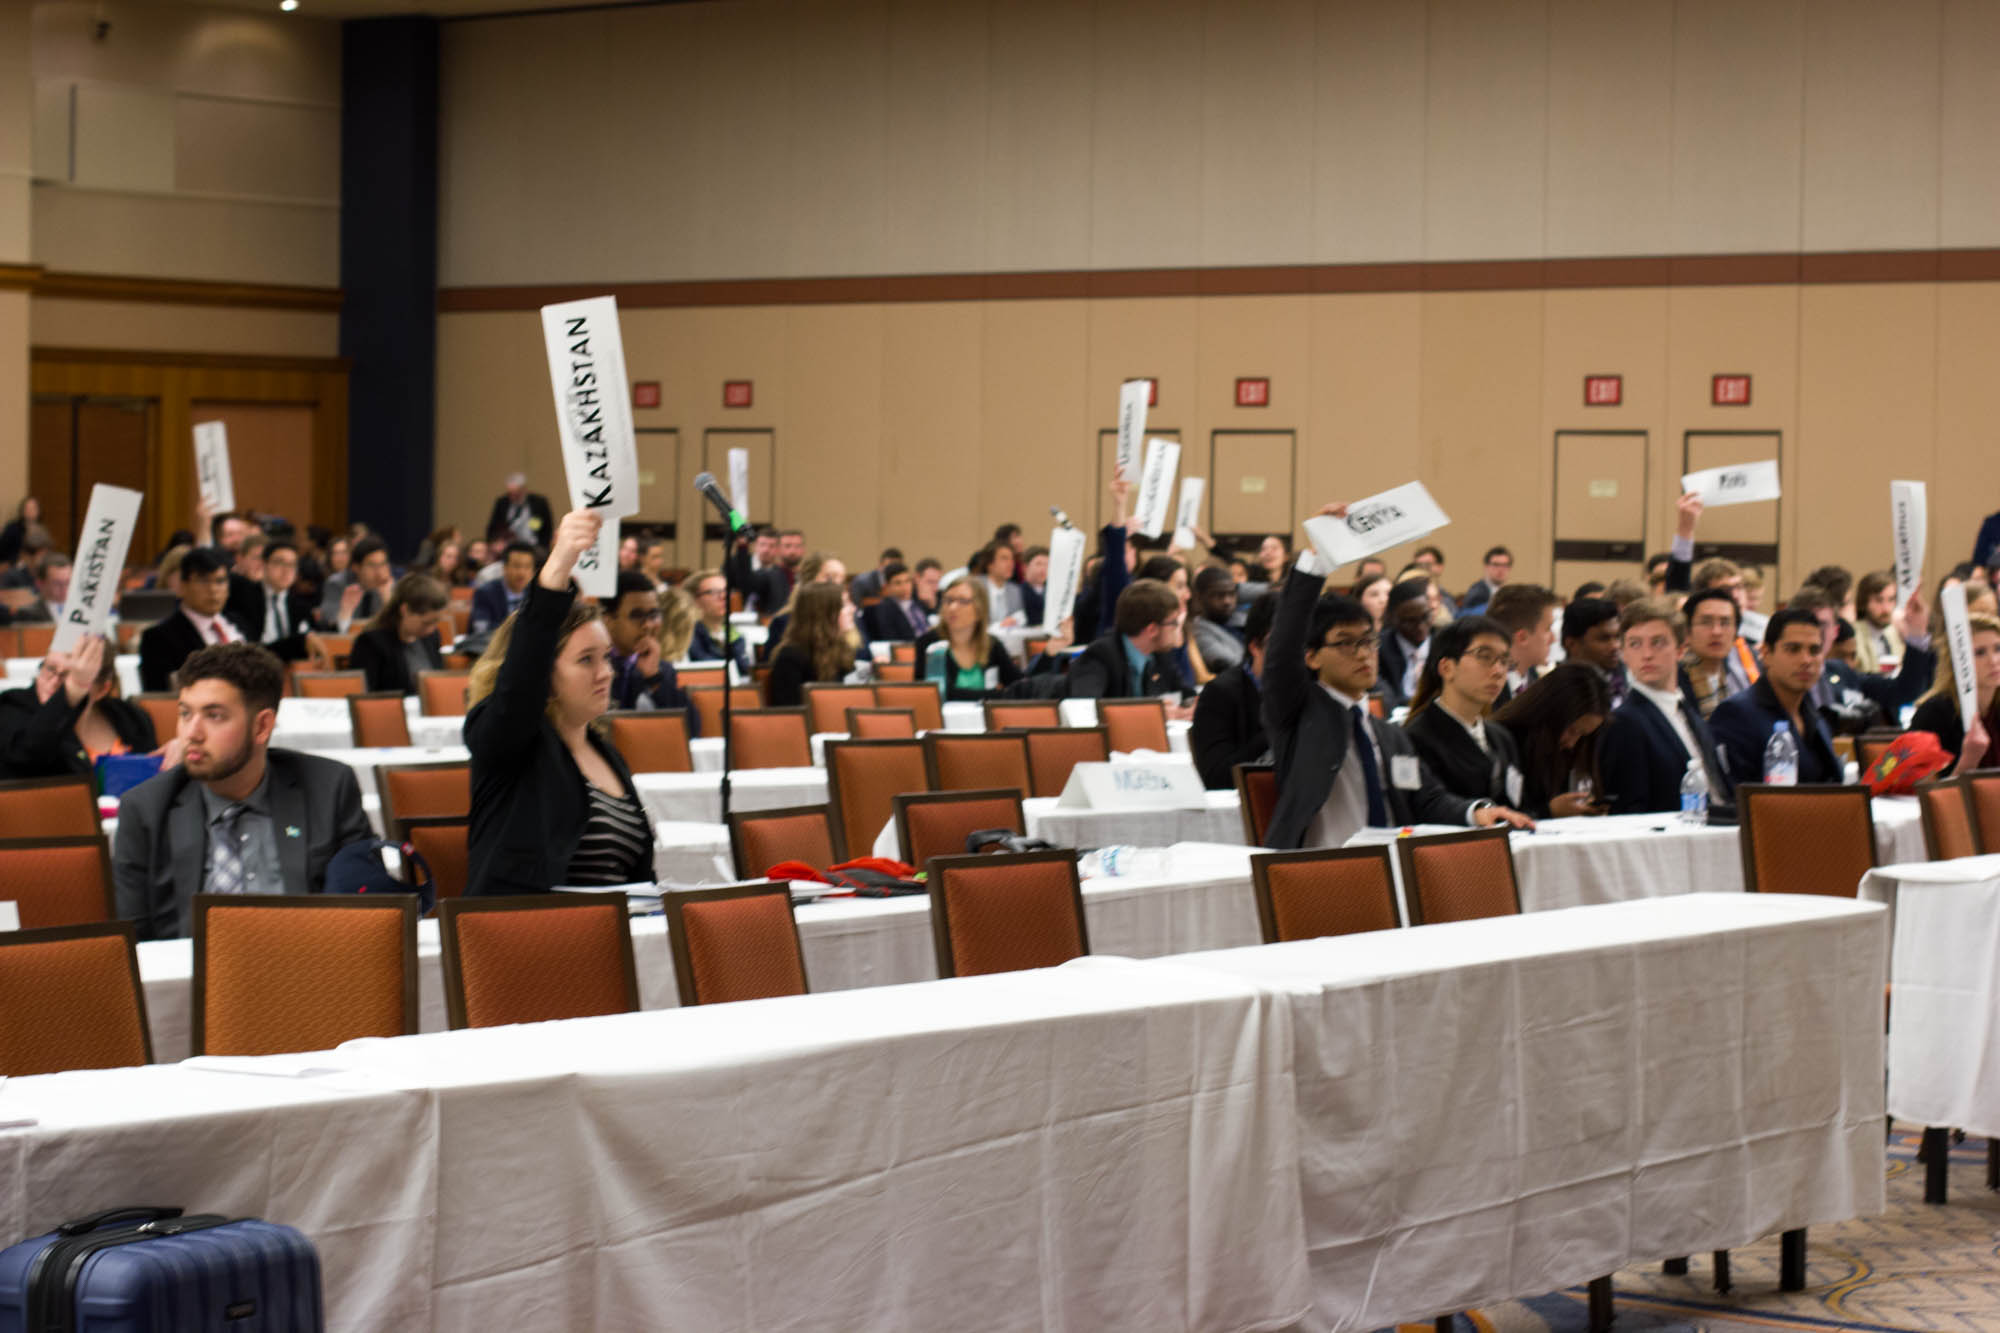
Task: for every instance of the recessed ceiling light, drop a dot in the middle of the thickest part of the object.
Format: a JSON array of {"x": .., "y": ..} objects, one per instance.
[{"x": 288, "y": 5}]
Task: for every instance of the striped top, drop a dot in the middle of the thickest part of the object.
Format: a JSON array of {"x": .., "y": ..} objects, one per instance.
[{"x": 616, "y": 846}]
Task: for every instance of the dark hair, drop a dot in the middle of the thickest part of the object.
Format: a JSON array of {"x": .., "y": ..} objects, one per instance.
[
  {"x": 631, "y": 581},
  {"x": 1213, "y": 576},
  {"x": 1451, "y": 642},
  {"x": 1835, "y": 579},
  {"x": 1409, "y": 590},
  {"x": 1160, "y": 567},
  {"x": 1432, "y": 552},
  {"x": 1257, "y": 625},
  {"x": 1843, "y": 630},
  {"x": 1655, "y": 560},
  {"x": 525, "y": 548},
  {"x": 1872, "y": 583},
  {"x": 1538, "y": 716},
  {"x": 419, "y": 593},
  {"x": 1329, "y": 613},
  {"x": 203, "y": 560},
  {"x": 1367, "y": 581},
  {"x": 1586, "y": 614},
  {"x": 1006, "y": 532},
  {"x": 1812, "y": 597},
  {"x": 1646, "y": 610},
  {"x": 271, "y": 548},
  {"x": 252, "y": 668},
  {"x": 1586, "y": 590},
  {"x": 930, "y": 562},
  {"x": 1519, "y": 606},
  {"x": 1144, "y": 603},
  {"x": 1032, "y": 552},
  {"x": 1723, "y": 595},
  {"x": 766, "y": 530},
  {"x": 895, "y": 569},
  {"x": 889, "y": 553},
  {"x": 364, "y": 548},
  {"x": 216, "y": 521},
  {"x": 1784, "y": 620},
  {"x": 1497, "y": 550}
]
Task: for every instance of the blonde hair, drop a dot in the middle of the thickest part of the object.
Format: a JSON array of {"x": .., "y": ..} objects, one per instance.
[
  {"x": 676, "y": 624},
  {"x": 1945, "y": 682},
  {"x": 982, "y": 604},
  {"x": 486, "y": 671}
]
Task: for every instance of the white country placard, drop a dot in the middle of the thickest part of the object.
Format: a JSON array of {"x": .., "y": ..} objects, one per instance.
[
  {"x": 1065, "y": 577},
  {"x": 1958, "y": 637},
  {"x": 1156, "y": 486},
  {"x": 1133, "y": 786},
  {"x": 739, "y": 481},
  {"x": 211, "y": 466},
  {"x": 594, "y": 419},
  {"x": 1132, "y": 395},
  {"x": 99, "y": 564},
  {"x": 1398, "y": 515},
  {"x": 1909, "y": 502},
  {"x": 1737, "y": 484},
  {"x": 1188, "y": 516}
]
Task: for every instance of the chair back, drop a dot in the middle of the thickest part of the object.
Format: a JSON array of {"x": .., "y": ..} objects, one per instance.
[
  {"x": 1054, "y": 751},
  {"x": 920, "y": 697},
  {"x": 1946, "y": 806},
  {"x": 1808, "y": 839},
  {"x": 1982, "y": 793},
  {"x": 976, "y": 761},
  {"x": 1002, "y": 714},
  {"x": 1323, "y": 891},
  {"x": 378, "y": 719},
  {"x": 305, "y": 972},
  {"x": 1872, "y": 745},
  {"x": 764, "y": 838},
  {"x": 61, "y": 807},
  {"x": 1134, "y": 724},
  {"x": 932, "y": 824},
  {"x": 769, "y": 738},
  {"x": 903, "y": 650},
  {"x": 443, "y": 693},
  {"x": 863, "y": 779},
  {"x": 734, "y": 942},
  {"x": 70, "y": 998},
  {"x": 827, "y": 704},
  {"x": 899, "y": 673},
  {"x": 882, "y": 724},
  {"x": 164, "y": 708},
  {"x": 652, "y": 742},
  {"x": 536, "y": 958},
  {"x": 57, "y": 881},
  {"x": 442, "y": 841},
  {"x": 329, "y": 684},
  {"x": 707, "y": 701},
  {"x": 414, "y": 790},
  {"x": 335, "y": 648},
  {"x": 1006, "y": 913},
  {"x": 36, "y": 640},
  {"x": 1459, "y": 876},
  {"x": 1257, "y": 794}
]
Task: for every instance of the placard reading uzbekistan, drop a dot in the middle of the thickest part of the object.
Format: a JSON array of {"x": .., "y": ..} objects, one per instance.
[
  {"x": 1132, "y": 395},
  {"x": 1908, "y": 518},
  {"x": 1065, "y": 577},
  {"x": 1958, "y": 642},
  {"x": 100, "y": 560},
  {"x": 1376, "y": 524},
  {"x": 587, "y": 374}
]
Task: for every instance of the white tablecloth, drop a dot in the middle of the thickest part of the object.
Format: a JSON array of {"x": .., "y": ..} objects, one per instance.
[
  {"x": 365, "y": 761},
  {"x": 1496, "y": 1109},
  {"x": 319, "y": 725},
  {"x": 697, "y": 797},
  {"x": 1944, "y": 1010},
  {"x": 21, "y": 671}
]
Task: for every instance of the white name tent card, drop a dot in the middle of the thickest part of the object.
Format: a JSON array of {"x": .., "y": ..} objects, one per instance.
[
  {"x": 99, "y": 564},
  {"x": 1909, "y": 502},
  {"x": 1132, "y": 396},
  {"x": 10, "y": 916},
  {"x": 1958, "y": 635},
  {"x": 1381, "y": 521},
  {"x": 211, "y": 466},
  {"x": 1133, "y": 786},
  {"x": 1737, "y": 484},
  {"x": 1065, "y": 577},
  {"x": 1156, "y": 486},
  {"x": 1188, "y": 516},
  {"x": 594, "y": 417},
  {"x": 739, "y": 480}
]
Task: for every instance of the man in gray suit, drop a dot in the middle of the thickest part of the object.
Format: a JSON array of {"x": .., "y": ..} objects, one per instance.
[{"x": 236, "y": 816}]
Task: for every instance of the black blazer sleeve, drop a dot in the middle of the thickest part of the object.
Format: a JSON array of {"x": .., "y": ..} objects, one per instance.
[
  {"x": 1286, "y": 676},
  {"x": 1622, "y": 764},
  {"x": 380, "y": 666},
  {"x": 785, "y": 687},
  {"x": 37, "y": 740},
  {"x": 1002, "y": 661},
  {"x": 1098, "y": 672},
  {"x": 507, "y": 724},
  {"x": 1226, "y": 730},
  {"x": 1940, "y": 717}
]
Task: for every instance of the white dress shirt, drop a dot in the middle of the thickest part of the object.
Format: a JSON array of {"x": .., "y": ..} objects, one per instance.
[
  {"x": 1346, "y": 810},
  {"x": 214, "y": 629}
]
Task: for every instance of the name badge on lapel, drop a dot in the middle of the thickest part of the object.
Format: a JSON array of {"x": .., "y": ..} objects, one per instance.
[
  {"x": 1513, "y": 786},
  {"x": 1404, "y": 774},
  {"x": 293, "y": 831}
]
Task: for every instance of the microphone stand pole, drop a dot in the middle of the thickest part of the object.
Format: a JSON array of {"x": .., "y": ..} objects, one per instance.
[{"x": 731, "y": 545}]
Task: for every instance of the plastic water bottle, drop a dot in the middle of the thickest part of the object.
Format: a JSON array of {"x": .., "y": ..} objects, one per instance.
[
  {"x": 1122, "y": 860},
  {"x": 1694, "y": 794},
  {"x": 1781, "y": 756}
]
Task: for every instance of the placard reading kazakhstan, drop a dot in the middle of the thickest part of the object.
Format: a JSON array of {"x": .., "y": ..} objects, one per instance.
[
  {"x": 1958, "y": 634},
  {"x": 1065, "y": 577},
  {"x": 1156, "y": 486},
  {"x": 1188, "y": 515},
  {"x": 1737, "y": 484},
  {"x": 1908, "y": 503},
  {"x": 587, "y": 373},
  {"x": 100, "y": 560},
  {"x": 1132, "y": 395},
  {"x": 1375, "y": 524},
  {"x": 211, "y": 466}
]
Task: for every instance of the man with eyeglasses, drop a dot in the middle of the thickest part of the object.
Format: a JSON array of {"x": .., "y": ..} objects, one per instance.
[
  {"x": 711, "y": 609},
  {"x": 1471, "y": 755},
  {"x": 640, "y": 680},
  {"x": 1135, "y": 659},
  {"x": 1646, "y": 745},
  {"x": 278, "y": 617},
  {"x": 1340, "y": 770}
]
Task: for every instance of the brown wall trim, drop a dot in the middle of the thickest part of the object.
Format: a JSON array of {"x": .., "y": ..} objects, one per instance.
[
  {"x": 317, "y": 365},
  {"x": 14, "y": 277},
  {"x": 1278, "y": 280},
  {"x": 181, "y": 291}
]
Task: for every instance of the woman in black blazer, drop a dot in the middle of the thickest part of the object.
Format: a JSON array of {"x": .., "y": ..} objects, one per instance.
[
  {"x": 403, "y": 639},
  {"x": 1938, "y": 711},
  {"x": 552, "y": 801}
]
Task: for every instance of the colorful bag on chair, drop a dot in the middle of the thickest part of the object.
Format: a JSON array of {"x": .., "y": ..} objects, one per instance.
[{"x": 1910, "y": 758}]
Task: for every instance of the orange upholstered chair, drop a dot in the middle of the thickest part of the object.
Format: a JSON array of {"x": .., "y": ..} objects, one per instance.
[
  {"x": 1054, "y": 751},
  {"x": 652, "y": 742},
  {"x": 898, "y": 673},
  {"x": 442, "y": 693},
  {"x": 301, "y": 972},
  {"x": 536, "y": 958},
  {"x": 48, "y": 808},
  {"x": 1257, "y": 793},
  {"x": 976, "y": 761},
  {"x": 1004, "y": 713},
  {"x": 1134, "y": 724},
  {"x": 734, "y": 942},
  {"x": 1006, "y": 913},
  {"x": 329, "y": 684},
  {"x": 70, "y": 999},
  {"x": 863, "y": 779},
  {"x": 1813, "y": 839},
  {"x": 764, "y": 838},
  {"x": 378, "y": 719},
  {"x": 1982, "y": 793},
  {"x": 441, "y": 841},
  {"x": 1947, "y": 813},
  {"x": 36, "y": 640},
  {"x": 827, "y": 704},
  {"x": 334, "y": 649},
  {"x": 57, "y": 881},
  {"x": 770, "y": 738},
  {"x": 1872, "y": 745},
  {"x": 411, "y": 790},
  {"x": 1459, "y": 876},
  {"x": 881, "y": 724},
  {"x": 707, "y": 701},
  {"x": 932, "y": 824},
  {"x": 920, "y": 697},
  {"x": 165, "y": 710},
  {"x": 1323, "y": 891},
  {"x": 903, "y": 650}
]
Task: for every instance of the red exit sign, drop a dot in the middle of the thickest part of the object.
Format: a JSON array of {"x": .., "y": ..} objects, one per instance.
[
  {"x": 736, "y": 393},
  {"x": 1729, "y": 391},
  {"x": 645, "y": 393},
  {"x": 1253, "y": 393},
  {"x": 1603, "y": 390}
]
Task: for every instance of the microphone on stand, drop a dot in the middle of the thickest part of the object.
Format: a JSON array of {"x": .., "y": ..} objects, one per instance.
[
  {"x": 733, "y": 521},
  {"x": 1062, "y": 519}
]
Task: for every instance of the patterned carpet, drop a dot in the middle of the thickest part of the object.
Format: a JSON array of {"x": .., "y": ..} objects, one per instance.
[{"x": 1916, "y": 1268}]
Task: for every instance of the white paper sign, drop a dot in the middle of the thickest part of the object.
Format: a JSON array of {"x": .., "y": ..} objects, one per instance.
[
  {"x": 594, "y": 418},
  {"x": 10, "y": 916},
  {"x": 1375, "y": 524},
  {"x": 1958, "y": 633},
  {"x": 211, "y": 466},
  {"x": 1132, "y": 395},
  {"x": 99, "y": 565},
  {"x": 1738, "y": 484},
  {"x": 739, "y": 481},
  {"x": 1188, "y": 516},
  {"x": 1065, "y": 577},
  {"x": 1909, "y": 502},
  {"x": 1133, "y": 786},
  {"x": 1156, "y": 486}
]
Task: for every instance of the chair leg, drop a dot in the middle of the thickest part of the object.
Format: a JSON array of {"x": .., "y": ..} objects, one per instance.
[
  {"x": 1792, "y": 1260},
  {"x": 1722, "y": 1272},
  {"x": 1936, "y": 1155},
  {"x": 1993, "y": 1164},
  {"x": 1675, "y": 1267},
  {"x": 1444, "y": 1323},
  {"x": 1601, "y": 1312}
]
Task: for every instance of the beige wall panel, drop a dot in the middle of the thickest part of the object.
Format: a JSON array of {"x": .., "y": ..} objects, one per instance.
[
  {"x": 1486, "y": 144},
  {"x": 1160, "y": 337},
  {"x": 934, "y": 152},
  {"x": 1738, "y": 79},
  {"x": 1610, "y": 127},
  {"x": 1037, "y": 403},
  {"x": 1962, "y": 485},
  {"x": 838, "y": 124},
  {"x": 16, "y": 208},
  {"x": 1368, "y": 131},
  {"x": 1484, "y": 457},
  {"x": 830, "y": 478},
  {"x": 13, "y": 393},
  {"x": 268, "y": 55},
  {"x": 1365, "y": 404},
  {"x": 1257, "y": 336},
  {"x": 261, "y": 148},
  {"x": 495, "y": 415},
  {"x": 930, "y": 499},
  {"x": 1969, "y": 155},
  {"x": 86, "y": 231},
  {"x": 1256, "y": 134},
  {"x": 742, "y": 209},
  {"x": 1872, "y": 125},
  {"x": 124, "y": 137},
  {"x": 1146, "y": 129},
  {"x": 1037, "y": 202},
  {"x": 139, "y": 327},
  {"x": 1616, "y": 331},
  {"x": 651, "y": 84}
]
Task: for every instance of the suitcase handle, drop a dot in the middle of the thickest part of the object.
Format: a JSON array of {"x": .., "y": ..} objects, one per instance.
[{"x": 83, "y": 1225}]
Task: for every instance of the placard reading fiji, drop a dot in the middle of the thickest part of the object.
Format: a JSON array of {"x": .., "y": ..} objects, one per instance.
[
  {"x": 1133, "y": 786},
  {"x": 1376, "y": 524}
]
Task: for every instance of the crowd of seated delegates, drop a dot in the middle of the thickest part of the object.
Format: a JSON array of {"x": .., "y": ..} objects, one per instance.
[
  {"x": 72, "y": 715},
  {"x": 709, "y": 625},
  {"x": 402, "y": 641},
  {"x": 819, "y": 567},
  {"x": 1227, "y": 726}
]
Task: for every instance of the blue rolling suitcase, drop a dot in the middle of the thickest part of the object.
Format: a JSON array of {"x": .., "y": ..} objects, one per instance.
[{"x": 151, "y": 1270}]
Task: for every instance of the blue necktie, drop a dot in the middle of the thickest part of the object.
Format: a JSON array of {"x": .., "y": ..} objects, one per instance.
[{"x": 1378, "y": 810}]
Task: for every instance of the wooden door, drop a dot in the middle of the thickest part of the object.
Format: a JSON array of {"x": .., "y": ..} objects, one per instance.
[
  {"x": 79, "y": 442},
  {"x": 1747, "y": 534},
  {"x": 270, "y": 455},
  {"x": 1107, "y": 463},
  {"x": 715, "y": 447},
  {"x": 1600, "y": 507},
  {"x": 661, "y": 490}
]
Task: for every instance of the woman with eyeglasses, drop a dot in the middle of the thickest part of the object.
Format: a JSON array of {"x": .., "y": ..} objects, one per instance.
[
  {"x": 710, "y": 592},
  {"x": 1555, "y": 724},
  {"x": 1469, "y": 753},
  {"x": 973, "y": 664}
]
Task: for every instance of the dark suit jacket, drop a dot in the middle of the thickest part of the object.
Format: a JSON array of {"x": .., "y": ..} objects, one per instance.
[
  {"x": 706, "y": 647},
  {"x": 538, "y": 507},
  {"x": 1911, "y": 681},
  {"x": 1100, "y": 671},
  {"x": 38, "y": 740},
  {"x": 1395, "y": 660},
  {"x": 378, "y": 654},
  {"x": 1228, "y": 727},
  {"x": 162, "y": 844},
  {"x": 1741, "y": 725},
  {"x": 1309, "y": 733},
  {"x": 248, "y": 601},
  {"x": 1460, "y": 766},
  {"x": 885, "y": 621},
  {"x": 489, "y": 605},
  {"x": 1641, "y": 761},
  {"x": 163, "y": 647}
]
